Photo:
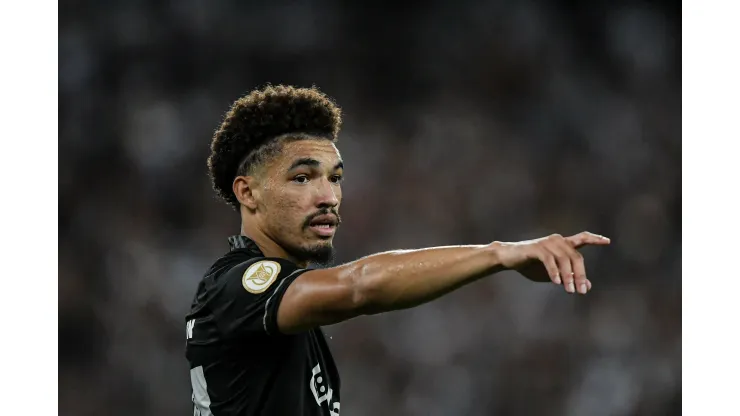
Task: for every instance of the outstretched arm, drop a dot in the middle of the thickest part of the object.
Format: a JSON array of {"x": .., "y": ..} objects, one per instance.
[{"x": 407, "y": 278}]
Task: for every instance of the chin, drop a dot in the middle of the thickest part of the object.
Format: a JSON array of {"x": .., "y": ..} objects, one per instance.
[
  {"x": 317, "y": 252},
  {"x": 321, "y": 253}
]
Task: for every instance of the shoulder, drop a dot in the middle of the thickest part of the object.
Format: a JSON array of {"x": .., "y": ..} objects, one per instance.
[{"x": 255, "y": 274}]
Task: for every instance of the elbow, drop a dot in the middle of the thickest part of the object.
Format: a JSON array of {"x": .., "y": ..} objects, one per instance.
[{"x": 363, "y": 290}]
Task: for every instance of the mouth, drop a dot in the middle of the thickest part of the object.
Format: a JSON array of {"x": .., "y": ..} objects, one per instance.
[{"x": 324, "y": 225}]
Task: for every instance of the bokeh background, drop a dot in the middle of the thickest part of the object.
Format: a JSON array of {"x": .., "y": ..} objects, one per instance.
[{"x": 465, "y": 122}]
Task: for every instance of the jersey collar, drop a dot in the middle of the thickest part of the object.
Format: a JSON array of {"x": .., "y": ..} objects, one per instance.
[{"x": 239, "y": 242}]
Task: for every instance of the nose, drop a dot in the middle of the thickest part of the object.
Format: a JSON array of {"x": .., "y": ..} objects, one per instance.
[{"x": 327, "y": 195}]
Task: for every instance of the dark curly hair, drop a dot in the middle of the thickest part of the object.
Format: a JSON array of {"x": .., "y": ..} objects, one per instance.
[{"x": 247, "y": 136}]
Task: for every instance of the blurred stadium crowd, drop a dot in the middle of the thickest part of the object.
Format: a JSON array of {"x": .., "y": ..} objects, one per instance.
[{"x": 465, "y": 122}]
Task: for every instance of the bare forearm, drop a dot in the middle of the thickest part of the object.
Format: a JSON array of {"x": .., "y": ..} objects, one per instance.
[{"x": 403, "y": 279}]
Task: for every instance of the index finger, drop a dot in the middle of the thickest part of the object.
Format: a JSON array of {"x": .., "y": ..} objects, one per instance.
[{"x": 581, "y": 239}]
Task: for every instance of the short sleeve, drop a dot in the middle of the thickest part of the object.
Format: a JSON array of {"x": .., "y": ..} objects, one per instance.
[{"x": 249, "y": 295}]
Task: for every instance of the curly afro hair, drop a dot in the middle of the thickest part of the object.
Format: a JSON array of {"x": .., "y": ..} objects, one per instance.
[{"x": 256, "y": 120}]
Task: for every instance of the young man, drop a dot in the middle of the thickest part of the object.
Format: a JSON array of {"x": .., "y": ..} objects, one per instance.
[{"x": 254, "y": 339}]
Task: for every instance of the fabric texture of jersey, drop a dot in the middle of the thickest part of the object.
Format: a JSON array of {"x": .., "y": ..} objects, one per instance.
[{"x": 240, "y": 363}]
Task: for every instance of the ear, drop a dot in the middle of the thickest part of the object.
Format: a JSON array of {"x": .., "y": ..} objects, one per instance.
[{"x": 246, "y": 190}]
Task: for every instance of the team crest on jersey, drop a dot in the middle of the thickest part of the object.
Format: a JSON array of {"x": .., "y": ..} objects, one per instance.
[{"x": 260, "y": 276}]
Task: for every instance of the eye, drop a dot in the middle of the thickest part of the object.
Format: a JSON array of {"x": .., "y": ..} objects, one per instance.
[
  {"x": 301, "y": 179},
  {"x": 336, "y": 178}
]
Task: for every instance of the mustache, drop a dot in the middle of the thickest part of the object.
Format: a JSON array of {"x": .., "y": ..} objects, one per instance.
[{"x": 333, "y": 212}]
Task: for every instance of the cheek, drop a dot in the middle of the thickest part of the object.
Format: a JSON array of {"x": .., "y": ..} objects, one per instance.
[{"x": 288, "y": 208}]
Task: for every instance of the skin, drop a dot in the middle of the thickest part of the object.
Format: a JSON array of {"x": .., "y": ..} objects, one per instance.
[{"x": 282, "y": 196}]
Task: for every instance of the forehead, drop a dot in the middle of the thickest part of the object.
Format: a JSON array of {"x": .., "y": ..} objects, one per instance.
[{"x": 322, "y": 150}]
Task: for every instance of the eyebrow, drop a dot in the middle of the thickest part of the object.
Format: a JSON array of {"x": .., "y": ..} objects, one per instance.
[{"x": 307, "y": 161}]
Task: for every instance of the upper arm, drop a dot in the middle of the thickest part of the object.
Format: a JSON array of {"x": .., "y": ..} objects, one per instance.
[
  {"x": 272, "y": 296},
  {"x": 248, "y": 296},
  {"x": 319, "y": 297}
]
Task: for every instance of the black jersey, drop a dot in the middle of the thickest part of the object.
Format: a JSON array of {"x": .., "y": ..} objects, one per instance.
[{"x": 240, "y": 363}]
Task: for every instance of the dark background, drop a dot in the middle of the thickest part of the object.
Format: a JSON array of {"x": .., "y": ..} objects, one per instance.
[{"x": 465, "y": 122}]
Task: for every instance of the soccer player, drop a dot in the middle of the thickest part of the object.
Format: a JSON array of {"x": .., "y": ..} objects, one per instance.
[{"x": 254, "y": 339}]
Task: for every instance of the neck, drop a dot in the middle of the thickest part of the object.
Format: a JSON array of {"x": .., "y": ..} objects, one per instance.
[{"x": 267, "y": 245}]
